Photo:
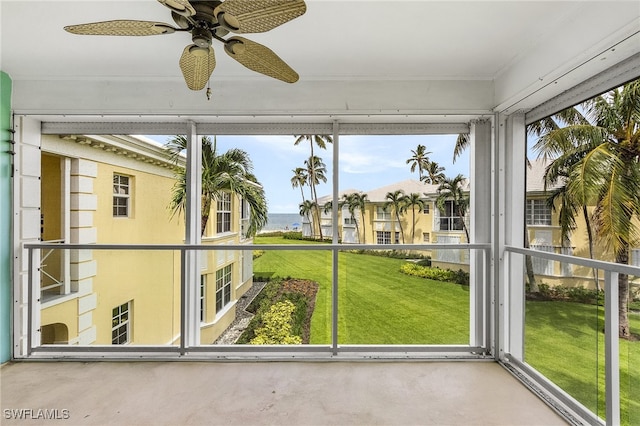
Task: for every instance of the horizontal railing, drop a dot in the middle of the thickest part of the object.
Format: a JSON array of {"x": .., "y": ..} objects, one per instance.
[
  {"x": 611, "y": 332},
  {"x": 222, "y": 351}
]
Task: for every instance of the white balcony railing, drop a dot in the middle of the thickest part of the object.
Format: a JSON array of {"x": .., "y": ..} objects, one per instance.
[{"x": 54, "y": 272}]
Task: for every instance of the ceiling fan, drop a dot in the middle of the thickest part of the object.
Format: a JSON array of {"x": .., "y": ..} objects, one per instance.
[{"x": 206, "y": 20}]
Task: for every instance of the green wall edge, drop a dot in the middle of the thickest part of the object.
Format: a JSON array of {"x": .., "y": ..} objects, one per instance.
[{"x": 5, "y": 216}]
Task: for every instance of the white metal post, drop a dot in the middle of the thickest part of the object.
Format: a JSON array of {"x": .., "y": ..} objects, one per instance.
[
  {"x": 334, "y": 225},
  {"x": 65, "y": 212},
  {"x": 480, "y": 232},
  {"x": 191, "y": 276},
  {"x": 611, "y": 348},
  {"x": 509, "y": 230}
]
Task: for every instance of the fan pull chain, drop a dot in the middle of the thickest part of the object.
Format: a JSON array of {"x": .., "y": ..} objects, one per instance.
[{"x": 208, "y": 92}]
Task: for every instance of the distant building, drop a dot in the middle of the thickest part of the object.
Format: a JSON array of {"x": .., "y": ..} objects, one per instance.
[{"x": 444, "y": 226}]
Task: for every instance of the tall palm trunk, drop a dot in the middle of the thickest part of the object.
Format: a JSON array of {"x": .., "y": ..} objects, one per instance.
[
  {"x": 464, "y": 225},
  {"x": 413, "y": 224},
  {"x": 364, "y": 228},
  {"x": 399, "y": 224},
  {"x": 302, "y": 193},
  {"x": 622, "y": 257},
  {"x": 317, "y": 207},
  {"x": 528, "y": 264},
  {"x": 204, "y": 218},
  {"x": 590, "y": 239},
  {"x": 314, "y": 194}
]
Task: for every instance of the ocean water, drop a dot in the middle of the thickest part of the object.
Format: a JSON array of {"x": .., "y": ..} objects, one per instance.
[{"x": 282, "y": 221}]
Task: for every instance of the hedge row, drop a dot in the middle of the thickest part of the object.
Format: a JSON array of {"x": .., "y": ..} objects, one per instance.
[{"x": 437, "y": 274}]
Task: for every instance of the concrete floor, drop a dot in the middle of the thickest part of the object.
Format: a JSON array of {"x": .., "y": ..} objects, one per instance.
[{"x": 276, "y": 393}]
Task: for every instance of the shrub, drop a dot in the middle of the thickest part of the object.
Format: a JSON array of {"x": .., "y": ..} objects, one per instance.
[
  {"x": 275, "y": 292},
  {"x": 437, "y": 274},
  {"x": 257, "y": 253},
  {"x": 292, "y": 235},
  {"x": 277, "y": 327},
  {"x": 394, "y": 254},
  {"x": 571, "y": 294}
]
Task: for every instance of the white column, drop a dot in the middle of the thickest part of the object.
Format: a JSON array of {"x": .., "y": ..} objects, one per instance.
[
  {"x": 191, "y": 278},
  {"x": 512, "y": 166},
  {"x": 480, "y": 232},
  {"x": 26, "y": 229},
  {"x": 82, "y": 203},
  {"x": 65, "y": 219}
]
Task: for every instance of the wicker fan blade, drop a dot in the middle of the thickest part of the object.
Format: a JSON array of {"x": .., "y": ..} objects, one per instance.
[
  {"x": 260, "y": 59},
  {"x": 121, "y": 28},
  {"x": 197, "y": 64},
  {"x": 257, "y": 16},
  {"x": 181, "y": 7}
]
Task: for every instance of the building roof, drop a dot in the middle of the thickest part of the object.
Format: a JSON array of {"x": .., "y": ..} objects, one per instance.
[
  {"x": 408, "y": 186},
  {"x": 535, "y": 176},
  {"x": 535, "y": 183}
]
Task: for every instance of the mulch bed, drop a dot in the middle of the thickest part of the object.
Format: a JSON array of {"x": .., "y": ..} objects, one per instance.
[{"x": 309, "y": 289}]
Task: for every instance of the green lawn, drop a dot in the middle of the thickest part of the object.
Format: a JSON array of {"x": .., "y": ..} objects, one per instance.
[
  {"x": 565, "y": 342},
  {"x": 379, "y": 305}
]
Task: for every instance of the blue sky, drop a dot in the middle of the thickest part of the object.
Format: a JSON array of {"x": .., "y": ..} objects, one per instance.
[{"x": 366, "y": 162}]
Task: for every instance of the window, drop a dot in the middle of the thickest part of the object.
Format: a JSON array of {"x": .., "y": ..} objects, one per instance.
[
  {"x": 450, "y": 218},
  {"x": 383, "y": 214},
  {"x": 244, "y": 209},
  {"x": 538, "y": 212},
  {"x": 223, "y": 213},
  {"x": 426, "y": 237},
  {"x": 120, "y": 322},
  {"x": 223, "y": 287},
  {"x": 635, "y": 257},
  {"x": 203, "y": 285},
  {"x": 426, "y": 208},
  {"x": 121, "y": 192},
  {"x": 383, "y": 237},
  {"x": 349, "y": 221}
]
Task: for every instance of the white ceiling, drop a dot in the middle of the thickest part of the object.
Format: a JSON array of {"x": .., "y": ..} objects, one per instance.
[{"x": 355, "y": 58}]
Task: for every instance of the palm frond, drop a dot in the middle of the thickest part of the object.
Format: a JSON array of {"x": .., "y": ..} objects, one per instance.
[{"x": 462, "y": 143}]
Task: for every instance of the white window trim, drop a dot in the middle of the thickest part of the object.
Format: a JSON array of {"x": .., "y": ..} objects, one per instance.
[
  {"x": 126, "y": 196},
  {"x": 221, "y": 290},
  {"x": 221, "y": 209},
  {"x": 126, "y": 324}
]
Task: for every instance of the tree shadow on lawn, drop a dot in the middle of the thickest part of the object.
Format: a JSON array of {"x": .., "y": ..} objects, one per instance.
[{"x": 574, "y": 319}]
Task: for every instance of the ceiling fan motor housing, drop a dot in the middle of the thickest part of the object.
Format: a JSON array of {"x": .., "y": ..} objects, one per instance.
[{"x": 201, "y": 37}]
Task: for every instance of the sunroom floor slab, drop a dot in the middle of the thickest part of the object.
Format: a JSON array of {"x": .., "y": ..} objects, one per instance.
[{"x": 266, "y": 393}]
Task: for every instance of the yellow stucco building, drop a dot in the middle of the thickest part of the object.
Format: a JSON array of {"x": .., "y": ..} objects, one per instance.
[
  {"x": 430, "y": 224},
  {"x": 117, "y": 190}
]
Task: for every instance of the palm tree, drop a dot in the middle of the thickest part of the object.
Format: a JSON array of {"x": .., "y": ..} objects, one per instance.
[
  {"x": 299, "y": 179},
  {"x": 451, "y": 189},
  {"x": 396, "y": 199},
  {"x": 600, "y": 156},
  {"x": 568, "y": 209},
  {"x": 321, "y": 141},
  {"x": 360, "y": 199},
  {"x": 462, "y": 142},
  {"x": 419, "y": 160},
  {"x": 350, "y": 200},
  {"x": 230, "y": 172},
  {"x": 435, "y": 174},
  {"x": 316, "y": 172},
  {"x": 412, "y": 201},
  {"x": 327, "y": 207},
  {"x": 307, "y": 207}
]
